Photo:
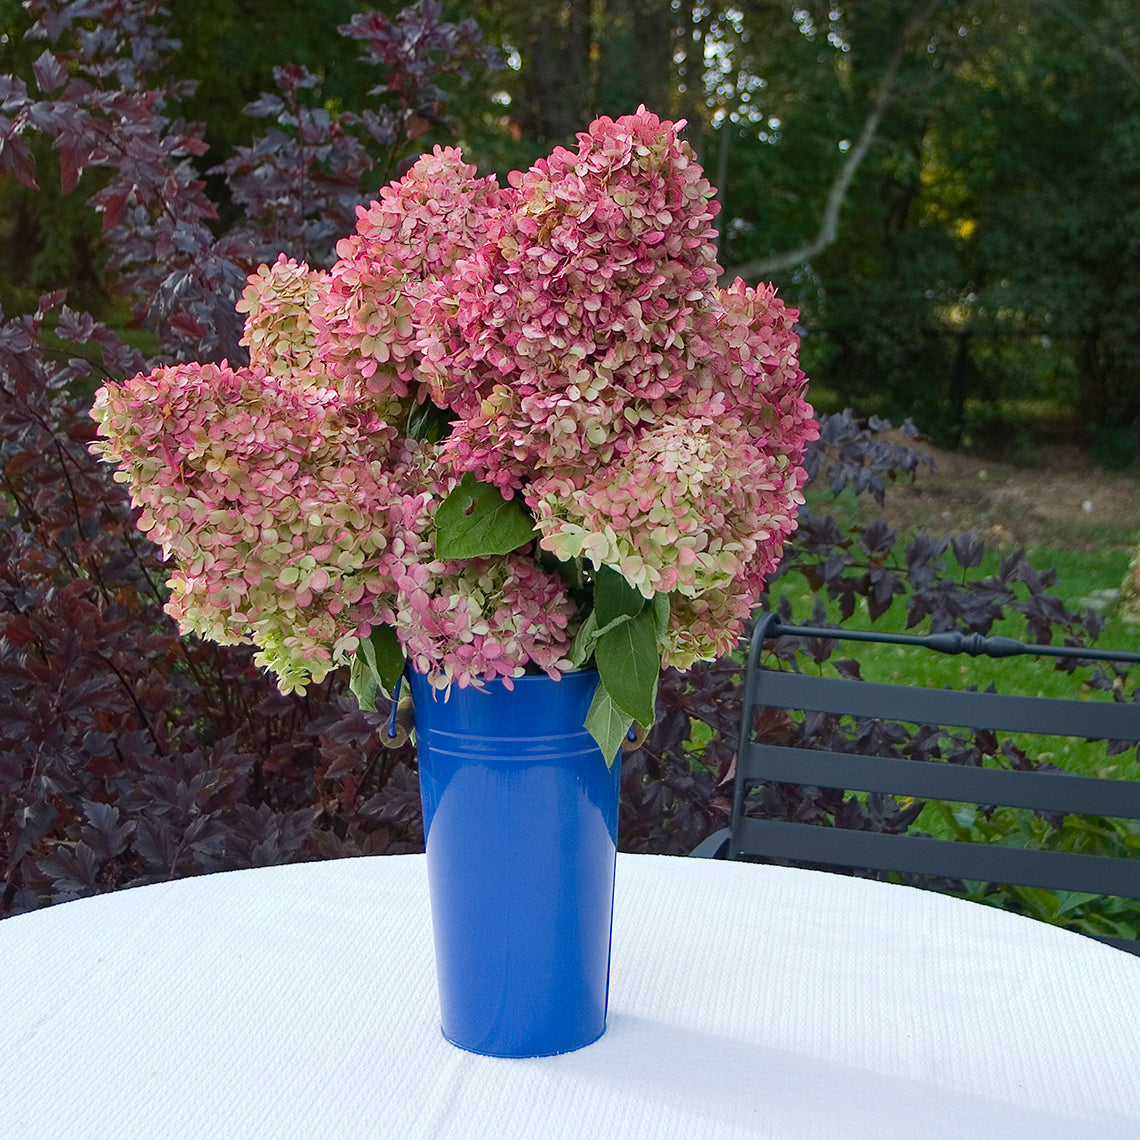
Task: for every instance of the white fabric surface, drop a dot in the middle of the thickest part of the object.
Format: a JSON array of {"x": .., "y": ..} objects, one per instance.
[{"x": 745, "y": 1001}]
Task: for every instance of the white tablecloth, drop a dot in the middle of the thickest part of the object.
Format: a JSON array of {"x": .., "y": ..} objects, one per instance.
[{"x": 745, "y": 1001}]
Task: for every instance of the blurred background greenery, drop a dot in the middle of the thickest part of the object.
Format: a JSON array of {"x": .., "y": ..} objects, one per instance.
[{"x": 949, "y": 192}]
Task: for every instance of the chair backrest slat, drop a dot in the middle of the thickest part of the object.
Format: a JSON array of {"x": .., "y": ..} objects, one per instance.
[
  {"x": 1053, "y": 716},
  {"x": 987, "y": 863},
  {"x": 1044, "y": 791}
]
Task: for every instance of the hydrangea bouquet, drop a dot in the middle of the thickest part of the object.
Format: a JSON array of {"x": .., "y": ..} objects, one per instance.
[{"x": 512, "y": 429}]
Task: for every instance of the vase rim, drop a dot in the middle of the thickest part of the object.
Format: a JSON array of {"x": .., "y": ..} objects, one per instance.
[{"x": 526, "y": 678}]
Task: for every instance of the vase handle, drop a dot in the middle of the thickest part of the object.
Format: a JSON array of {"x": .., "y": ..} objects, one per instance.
[
  {"x": 396, "y": 732},
  {"x": 635, "y": 738}
]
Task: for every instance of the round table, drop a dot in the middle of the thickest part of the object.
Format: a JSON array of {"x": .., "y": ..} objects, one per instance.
[{"x": 745, "y": 1001}]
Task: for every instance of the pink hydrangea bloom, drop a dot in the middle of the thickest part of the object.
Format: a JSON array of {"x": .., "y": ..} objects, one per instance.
[
  {"x": 705, "y": 627},
  {"x": 571, "y": 328},
  {"x": 688, "y": 510},
  {"x": 749, "y": 351},
  {"x": 468, "y": 622},
  {"x": 416, "y": 230},
  {"x": 269, "y": 495},
  {"x": 279, "y": 332},
  {"x": 550, "y": 339},
  {"x": 464, "y": 622},
  {"x": 704, "y": 490}
]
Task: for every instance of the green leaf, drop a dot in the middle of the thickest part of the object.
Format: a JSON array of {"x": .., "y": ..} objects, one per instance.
[
  {"x": 589, "y": 633},
  {"x": 475, "y": 521},
  {"x": 428, "y": 423},
  {"x": 614, "y": 597},
  {"x": 362, "y": 682},
  {"x": 1068, "y": 901},
  {"x": 583, "y": 645},
  {"x": 660, "y": 604},
  {"x": 606, "y": 723},
  {"x": 1039, "y": 903},
  {"x": 382, "y": 657},
  {"x": 630, "y": 663}
]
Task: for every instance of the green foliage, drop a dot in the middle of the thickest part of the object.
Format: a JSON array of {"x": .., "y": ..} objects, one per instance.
[
  {"x": 1099, "y": 915},
  {"x": 615, "y": 600},
  {"x": 622, "y": 633},
  {"x": 606, "y": 723},
  {"x": 984, "y": 244},
  {"x": 475, "y": 521},
  {"x": 629, "y": 664},
  {"x": 376, "y": 666}
]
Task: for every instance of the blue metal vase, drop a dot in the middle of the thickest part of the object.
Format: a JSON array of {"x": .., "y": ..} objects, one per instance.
[{"x": 520, "y": 823}]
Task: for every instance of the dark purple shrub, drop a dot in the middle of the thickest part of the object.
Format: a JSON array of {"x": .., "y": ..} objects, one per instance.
[
  {"x": 300, "y": 182},
  {"x": 129, "y": 754}
]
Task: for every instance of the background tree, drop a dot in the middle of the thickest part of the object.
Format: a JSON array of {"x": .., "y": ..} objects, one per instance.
[
  {"x": 981, "y": 251},
  {"x": 947, "y": 189}
]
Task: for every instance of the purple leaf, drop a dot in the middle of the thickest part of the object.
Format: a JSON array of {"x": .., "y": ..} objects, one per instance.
[
  {"x": 49, "y": 72},
  {"x": 104, "y": 834},
  {"x": 878, "y": 538},
  {"x": 13, "y": 93},
  {"x": 969, "y": 549},
  {"x": 15, "y": 156}
]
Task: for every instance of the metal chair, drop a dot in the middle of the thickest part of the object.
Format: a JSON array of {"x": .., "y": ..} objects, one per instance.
[{"x": 833, "y": 847}]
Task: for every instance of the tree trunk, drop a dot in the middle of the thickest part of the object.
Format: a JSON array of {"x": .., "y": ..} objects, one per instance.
[
  {"x": 960, "y": 376},
  {"x": 561, "y": 95},
  {"x": 1091, "y": 377},
  {"x": 651, "y": 22}
]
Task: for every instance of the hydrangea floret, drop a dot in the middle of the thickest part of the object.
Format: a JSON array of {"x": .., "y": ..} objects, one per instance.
[{"x": 512, "y": 429}]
